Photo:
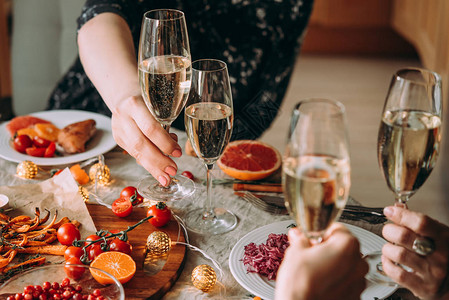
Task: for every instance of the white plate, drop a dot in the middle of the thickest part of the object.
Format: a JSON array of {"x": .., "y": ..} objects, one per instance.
[
  {"x": 264, "y": 288},
  {"x": 100, "y": 143}
]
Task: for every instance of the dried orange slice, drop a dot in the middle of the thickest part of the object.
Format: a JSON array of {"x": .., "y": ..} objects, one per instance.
[
  {"x": 249, "y": 160},
  {"x": 118, "y": 264},
  {"x": 79, "y": 174},
  {"x": 47, "y": 131},
  {"x": 27, "y": 131}
]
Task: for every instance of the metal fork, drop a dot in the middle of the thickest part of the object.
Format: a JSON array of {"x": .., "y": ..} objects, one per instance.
[{"x": 259, "y": 203}]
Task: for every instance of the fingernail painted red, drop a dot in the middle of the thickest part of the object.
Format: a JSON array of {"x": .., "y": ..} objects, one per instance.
[
  {"x": 162, "y": 180},
  {"x": 170, "y": 170}
]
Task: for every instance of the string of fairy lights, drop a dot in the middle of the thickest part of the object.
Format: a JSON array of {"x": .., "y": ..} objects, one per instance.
[{"x": 158, "y": 243}]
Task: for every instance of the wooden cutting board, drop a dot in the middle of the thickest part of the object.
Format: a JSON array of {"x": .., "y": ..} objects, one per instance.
[{"x": 143, "y": 286}]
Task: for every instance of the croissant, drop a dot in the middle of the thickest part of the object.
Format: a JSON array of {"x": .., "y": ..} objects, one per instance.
[{"x": 73, "y": 137}]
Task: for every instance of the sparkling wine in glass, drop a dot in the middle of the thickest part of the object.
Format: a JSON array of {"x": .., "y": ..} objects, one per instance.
[
  {"x": 164, "y": 77},
  {"x": 208, "y": 120},
  {"x": 316, "y": 166},
  {"x": 408, "y": 141}
]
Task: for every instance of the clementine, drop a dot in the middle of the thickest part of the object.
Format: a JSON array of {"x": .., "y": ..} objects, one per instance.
[{"x": 118, "y": 264}]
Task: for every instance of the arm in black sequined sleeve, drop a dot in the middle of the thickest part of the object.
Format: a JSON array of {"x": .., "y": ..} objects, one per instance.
[
  {"x": 123, "y": 8},
  {"x": 256, "y": 113}
]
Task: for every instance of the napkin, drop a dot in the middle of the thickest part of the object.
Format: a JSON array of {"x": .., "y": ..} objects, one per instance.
[{"x": 59, "y": 193}]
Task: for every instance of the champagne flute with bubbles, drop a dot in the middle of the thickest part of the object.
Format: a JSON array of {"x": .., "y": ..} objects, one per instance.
[
  {"x": 164, "y": 77},
  {"x": 316, "y": 166},
  {"x": 208, "y": 119},
  {"x": 408, "y": 141}
]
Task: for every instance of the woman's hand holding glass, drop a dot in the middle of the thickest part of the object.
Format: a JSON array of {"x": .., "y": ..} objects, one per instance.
[
  {"x": 105, "y": 46},
  {"x": 408, "y": 145},
  {"x": 138, "y": 132},
  {"x": 164, "y": 76},
  {"x": 430, "y": 276}
]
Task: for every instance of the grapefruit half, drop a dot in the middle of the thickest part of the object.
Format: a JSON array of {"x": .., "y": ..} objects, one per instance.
[{"x": 249, "y": 160}]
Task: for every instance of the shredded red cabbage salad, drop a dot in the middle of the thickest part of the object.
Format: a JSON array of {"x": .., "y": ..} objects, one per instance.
[{"x": 265, "y": 259}]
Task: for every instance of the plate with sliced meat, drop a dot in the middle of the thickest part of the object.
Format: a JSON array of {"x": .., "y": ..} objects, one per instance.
[{"x": 79, "y": 135}]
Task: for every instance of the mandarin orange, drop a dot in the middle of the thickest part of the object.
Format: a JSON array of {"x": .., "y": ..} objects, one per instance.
[{"x": 118, "y": 264}]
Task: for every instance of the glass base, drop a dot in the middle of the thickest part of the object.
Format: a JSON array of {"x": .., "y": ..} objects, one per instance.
[
  {"x": 222, "y": 222},
  {"x": 376, "y": 273},
  {"x": 179, "y": 188}
]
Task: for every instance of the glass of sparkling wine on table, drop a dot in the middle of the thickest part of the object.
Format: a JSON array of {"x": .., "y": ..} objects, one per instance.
[
  {"x": 164, "y": 77},
  {"x": 208, "y": 120},
  {"x": 408, "y": 141},
  {"x": 316, "y": 166}
]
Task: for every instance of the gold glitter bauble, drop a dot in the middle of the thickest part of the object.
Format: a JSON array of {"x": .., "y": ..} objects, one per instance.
[
  {"x": 100, "y": 172},
  {"x": 204, "y": 277},
  {"x": 84, "y": 193},
  {"x": 27, "y": 169},
  {"x": 158, "y": 243}
]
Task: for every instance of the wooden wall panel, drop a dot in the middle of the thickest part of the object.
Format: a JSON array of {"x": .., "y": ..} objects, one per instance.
[
  {"x": 5, "y": 58},
  {"x": 354, "y": 27},
  {"x": 425, "y": 24}
]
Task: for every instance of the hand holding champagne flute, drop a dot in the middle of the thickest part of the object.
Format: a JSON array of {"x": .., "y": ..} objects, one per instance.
[
  {"x": 408, "y": 145},
  {"x": 164, "y": 77},
  {"x": 316, "y": 167}
]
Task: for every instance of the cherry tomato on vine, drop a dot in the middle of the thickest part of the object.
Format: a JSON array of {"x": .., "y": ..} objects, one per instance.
[
  {"x": 188, "y": 175},
  {"x": 67, "y": 233},
  {"x": 90, "y": 238},
  {"x": 73, "y": 272},
  {"x": 113, "y": 231},
  {"x": 22, "y": 142},
  {"x": 94, "y": 250},
  {"x": 115, "y": 244},
  {"x": 131, "y": 193},
  {"x": 122, "y": 207},
  {"x": 73, "y": 251},
  {"x": 161, "y": 214}
]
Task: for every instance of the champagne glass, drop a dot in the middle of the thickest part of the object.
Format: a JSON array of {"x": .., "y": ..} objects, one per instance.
[
  {"x": 408, "y": 141},
  {"x": 209, "y": 118},
  {"x": 164, "y": 77},
  {"x": 316, "y": 166}
]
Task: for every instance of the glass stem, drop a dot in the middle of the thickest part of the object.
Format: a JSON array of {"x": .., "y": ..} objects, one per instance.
[
  {"x": 401, "y": 201},
  {"x": 209, "y": 211},
  {"x": 166, "y": 127}
]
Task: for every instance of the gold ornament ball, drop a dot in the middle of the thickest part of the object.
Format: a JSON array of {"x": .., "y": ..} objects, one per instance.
[
  {"x": 158, "y": 243},
  {"x": 204, "y": 277},
  {"x": 84, "y": 193},
  {"x": 100, "y": 172},
  {"x": 27, "y": 169}
]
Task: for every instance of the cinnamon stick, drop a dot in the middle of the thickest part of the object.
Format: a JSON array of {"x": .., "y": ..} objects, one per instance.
[{"x": 271, "y": 187}]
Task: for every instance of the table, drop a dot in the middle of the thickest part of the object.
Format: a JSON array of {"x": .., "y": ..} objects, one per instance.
[{"x": 125, "y": 171}]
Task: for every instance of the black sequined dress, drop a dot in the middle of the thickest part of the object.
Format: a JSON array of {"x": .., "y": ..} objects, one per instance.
[{"x": 258, "y": 39}]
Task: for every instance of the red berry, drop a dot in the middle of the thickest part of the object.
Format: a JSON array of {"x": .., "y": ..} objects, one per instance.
[
  {"x": 188, "y": 175},
  {"x": 46, "y": 285},
  {"x": 65, "y": 282}
]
